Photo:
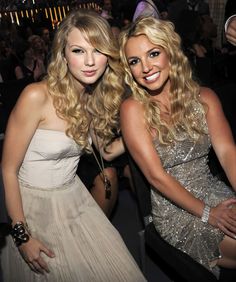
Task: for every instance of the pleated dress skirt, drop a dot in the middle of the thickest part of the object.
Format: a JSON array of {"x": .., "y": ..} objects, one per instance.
[{"x": 68, "y": 221}]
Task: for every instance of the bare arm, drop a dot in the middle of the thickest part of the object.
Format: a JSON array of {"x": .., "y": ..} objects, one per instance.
[
  {"x": 140, "y": 144},
  {"x": 113, "y": 150},
  {"x": 221, "y": 135},
  {"x": 22, "y": 124}
]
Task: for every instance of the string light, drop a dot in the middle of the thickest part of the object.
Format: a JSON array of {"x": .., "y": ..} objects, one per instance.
[
  {"x": 57, "y": 13},
  {"x": 17, "y": 18}
]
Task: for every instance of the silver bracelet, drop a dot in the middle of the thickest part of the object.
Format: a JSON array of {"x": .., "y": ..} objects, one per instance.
[{"x": 205, "y": 214}]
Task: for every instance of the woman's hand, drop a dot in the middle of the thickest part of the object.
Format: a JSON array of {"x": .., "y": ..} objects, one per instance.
[
  {"x": 199, "y": 50},
  {"x": 223, "y": 216},
  {"x": 231, "y": 31},
  {"x": 39, "y": 70},
  {"x": 30, "y": 252}
]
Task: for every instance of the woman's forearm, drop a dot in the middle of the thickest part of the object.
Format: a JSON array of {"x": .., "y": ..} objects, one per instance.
[
  {"x": 13, "y": 197},
  {"x": 115, "y": 149}
]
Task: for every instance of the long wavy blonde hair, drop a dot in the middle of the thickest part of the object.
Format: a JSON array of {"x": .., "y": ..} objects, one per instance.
[
  {"x": 98, "y": 103},
  {"x": 184, "y": 91}
]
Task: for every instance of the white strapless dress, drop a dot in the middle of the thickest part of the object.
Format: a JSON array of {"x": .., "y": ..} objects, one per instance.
[{"x": 62, "y": 214}]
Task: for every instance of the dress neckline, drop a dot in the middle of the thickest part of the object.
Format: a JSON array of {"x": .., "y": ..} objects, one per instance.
[{"x": 51, "y": 130}]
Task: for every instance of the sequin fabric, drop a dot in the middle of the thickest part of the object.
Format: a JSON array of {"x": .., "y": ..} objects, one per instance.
[{"x": 187, "y": 161}]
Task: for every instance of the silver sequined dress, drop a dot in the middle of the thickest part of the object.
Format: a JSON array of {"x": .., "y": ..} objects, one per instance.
[{"x": 187, "y": 161}]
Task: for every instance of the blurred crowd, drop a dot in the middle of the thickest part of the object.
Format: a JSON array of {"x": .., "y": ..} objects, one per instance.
[
  {"x": 25, "y": 48},
  {"x": 6, "y": 5}
]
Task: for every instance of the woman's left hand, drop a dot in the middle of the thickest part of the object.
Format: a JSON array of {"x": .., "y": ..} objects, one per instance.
[{"x": 223, "y": 216}]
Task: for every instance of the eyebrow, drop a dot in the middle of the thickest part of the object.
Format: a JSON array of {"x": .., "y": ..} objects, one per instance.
[
  {"x": 149, "y": 51},
  {"x": 74, "y": 45},
  {"x": 129, "y": 58}
]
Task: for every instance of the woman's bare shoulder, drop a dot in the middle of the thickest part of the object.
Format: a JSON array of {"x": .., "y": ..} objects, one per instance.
[
  {"x": 131, "y": 104},
  {"x": 207, "y": 95},
  {"x": 35, "y": 93}
]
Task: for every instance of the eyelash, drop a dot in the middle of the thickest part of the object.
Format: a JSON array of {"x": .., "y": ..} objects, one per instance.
[
  {"x": 152, "y": 54},
  {"x": 79, "y": 51},
  {"x": 155, "y": 53},
  {"x": 133, "y": 62}
]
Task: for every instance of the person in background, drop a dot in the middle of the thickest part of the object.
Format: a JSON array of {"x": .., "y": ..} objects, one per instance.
[
  {"x": 217, "y": 12},
  {"x": 29, "y": 65},
  {"x": 230, "y": 30},
  {"x": 46, "y": 34},
  {"x": 175, "y": 7},
  {"x": 230, "y": 34},
  {"x": 58, "y": 230},
  {"x": 107, "y": 9},
  {"x": 169, "y": 124},
  {"x": 37, "y": 46},
  {"x": 230, "y": 25},
  {"x": 146, "y": 8},
  {"x": 8, "y": 61}
]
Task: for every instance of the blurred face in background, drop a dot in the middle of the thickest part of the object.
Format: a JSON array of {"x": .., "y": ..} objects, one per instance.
[
  {"x": 107, "y": 5},
  {"x": 45, "y": 35},
  {"x": 209, "y": 28}
]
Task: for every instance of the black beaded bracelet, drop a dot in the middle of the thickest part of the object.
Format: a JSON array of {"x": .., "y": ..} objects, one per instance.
[{"x": 20, "y": 233}]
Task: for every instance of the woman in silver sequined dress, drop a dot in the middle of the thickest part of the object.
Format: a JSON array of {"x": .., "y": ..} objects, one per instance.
[{"x": 169, "y": 124}]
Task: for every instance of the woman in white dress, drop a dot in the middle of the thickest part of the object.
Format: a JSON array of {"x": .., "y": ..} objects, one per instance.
[{"x": 59, "y": 232}]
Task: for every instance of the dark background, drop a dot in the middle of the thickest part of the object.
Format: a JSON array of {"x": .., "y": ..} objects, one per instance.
[{"x": 124, "y": 8}]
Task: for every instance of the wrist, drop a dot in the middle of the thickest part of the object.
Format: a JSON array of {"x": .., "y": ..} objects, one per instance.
[
  {"x": 20, "y": 233},
  {"x": 206, "y": 213}
]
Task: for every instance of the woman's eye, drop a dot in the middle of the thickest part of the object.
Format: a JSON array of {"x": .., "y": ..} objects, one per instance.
[
  {"x": 97, "y": 51},
  {"x": 133, "y": 62},
  {"x": 154, "y": 53},
  {"x": 77, "y": 50}
]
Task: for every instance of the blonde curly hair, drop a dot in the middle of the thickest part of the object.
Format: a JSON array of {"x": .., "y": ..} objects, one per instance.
[
  {"x": 98, "y": 103},
  {"x": 184, "y": 91}
]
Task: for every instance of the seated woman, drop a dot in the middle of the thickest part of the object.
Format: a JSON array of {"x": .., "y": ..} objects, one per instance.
[
  {"x": 169, "y": 124},
  {"x": 58, "y": 231}
]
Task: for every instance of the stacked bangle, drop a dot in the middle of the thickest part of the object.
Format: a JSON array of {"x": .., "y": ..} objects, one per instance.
[
  {"x": 20, "y": 233},
  {"x": 205, "y": 214}
]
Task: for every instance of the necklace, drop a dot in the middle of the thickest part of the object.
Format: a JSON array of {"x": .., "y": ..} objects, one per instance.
[{"x": 106, "y": 181}]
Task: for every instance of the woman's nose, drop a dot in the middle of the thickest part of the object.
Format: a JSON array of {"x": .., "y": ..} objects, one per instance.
[
  {"x": 146, "y": 66},
  {"x": 89, "y": 59}
]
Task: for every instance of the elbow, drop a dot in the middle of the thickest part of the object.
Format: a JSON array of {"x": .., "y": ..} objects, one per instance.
[
  {"x": 9, "y": 170},
  {"x": 108, "y": 157},
  {"x": 155, "y": 180},
  {"x": 158, "y": 178}
]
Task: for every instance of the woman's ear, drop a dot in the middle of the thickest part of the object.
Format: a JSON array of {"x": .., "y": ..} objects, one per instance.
[{"x": 64, "y": 56}]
